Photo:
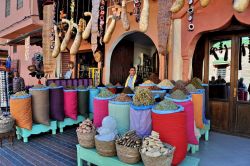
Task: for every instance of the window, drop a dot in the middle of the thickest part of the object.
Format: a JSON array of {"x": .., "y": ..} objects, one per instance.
[
  {"x": 14, "y": 49},
  {"x": 19, "y": 4},
  {"x": 7, "y": 8}
]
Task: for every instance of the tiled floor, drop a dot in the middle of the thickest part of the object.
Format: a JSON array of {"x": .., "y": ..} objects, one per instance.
[
  {"x": 224, "y": 150},
  {"x": 46, "y": 149}
]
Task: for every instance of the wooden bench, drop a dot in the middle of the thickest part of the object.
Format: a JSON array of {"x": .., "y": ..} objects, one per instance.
[
  {"x": 69, "y": 122},
  {"x": 36, "y": 129},
  {"x": 92, "y": 157},
  {"x": 9, "y": 135}
]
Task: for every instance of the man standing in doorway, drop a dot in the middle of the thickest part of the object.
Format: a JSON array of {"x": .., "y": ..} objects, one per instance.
[
  {"x": 18, "y": 83},
  {"x": 132, "y": 80}
]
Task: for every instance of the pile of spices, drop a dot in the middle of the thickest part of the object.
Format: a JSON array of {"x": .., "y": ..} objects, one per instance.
[
  {"x": 130, "y": 139},
  {"x": 165, "y": 83},
  {"x": 166, "y": 105},
  {"x": 105, "y": 93},
  {"x": 21, "y": 93},
  {"x": 143, "y": 97},
  {"x": 154, "y": 78},
  {"x": 197, "y": 84},
  {"x": 191, "y": 88},
  {"x": 180, "y": 87},
  {"x": 127, "y": 90},
  {"x": 148, "y": 82},
  {"x": 178, "y": 94},
  {"x": 123, "y": 98},
  {"x": 81, "y": 87},
  {"x": 179, "y": 83},
  {"x": 69, "y": 88},
  {"x": 52, "y": 85}
]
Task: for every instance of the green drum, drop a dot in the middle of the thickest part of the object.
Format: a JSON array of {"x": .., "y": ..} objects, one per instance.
[{"x": 120, "y": 112}]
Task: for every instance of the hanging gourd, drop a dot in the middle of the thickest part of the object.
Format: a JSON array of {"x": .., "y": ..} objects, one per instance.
[
  {"x": 78, "y": 39},
  {"x": 87, "y": 31},
  {"x": 240, "y": 5},
  {"x": 177, "y": 6},
  {"x": 124, "y": 16},
  {"x": 110, "y": 29},
  {"x": 67, "y": 36},
  {"x": 56, "y": 49},
  {"x": 143, "y": 24}
]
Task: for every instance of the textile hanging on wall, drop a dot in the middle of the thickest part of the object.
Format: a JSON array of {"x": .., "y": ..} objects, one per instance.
[
  {"x": 94, "y": 26},
  {"x": 49, "y": 61},
  {"x": 27, "y": 48},
  {"x": 164, "y": 22}
]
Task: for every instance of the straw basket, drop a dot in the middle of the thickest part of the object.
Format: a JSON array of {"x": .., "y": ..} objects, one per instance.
[
  {"x": 127, "y": 154},
  {"x": 86, "y": 140},
  {"x": 6, "y": 125},
  {"x": 164, "y": 160},
  {"x": 105, "y": 148}
]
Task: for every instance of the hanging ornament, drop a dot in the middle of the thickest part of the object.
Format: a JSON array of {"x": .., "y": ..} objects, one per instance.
[
  {"x": 102, "y": 16},
  {"x": 137, "y": 10},
  {"x": 190, "y": 15}
]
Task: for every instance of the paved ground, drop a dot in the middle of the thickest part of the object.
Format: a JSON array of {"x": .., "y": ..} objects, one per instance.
[
  {"x": 224, "y": 150},
  {"x": 46, "y": 149}
]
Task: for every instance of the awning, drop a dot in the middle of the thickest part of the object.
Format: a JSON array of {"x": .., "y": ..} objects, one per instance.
[{"x": 35, "y": 38}]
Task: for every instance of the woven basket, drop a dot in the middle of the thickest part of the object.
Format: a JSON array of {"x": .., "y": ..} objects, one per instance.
[
  {"x": 6, "y": 125},
  {"x": 86, "y": 140},
  {"x": 128, "y": 155},
  {"x": 105, "y": 148},
  {"x": 165, "y": 160}
]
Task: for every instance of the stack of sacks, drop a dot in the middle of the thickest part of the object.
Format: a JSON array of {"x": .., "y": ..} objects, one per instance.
[
  {"x": 70, "y": 102},
  {"x": 154, "y": 152},
  {"x": 86, "y": 134},
  {"x": 40, "y": 104},
  {"x": 174, "y": 132},
  {"x": 21, "y": 109},
  {"x": 119, "y": 109},
  {"x": 101, "y": 106},
  {"x": 140, "y": 112},
  {"x": 57, "y": 102}
]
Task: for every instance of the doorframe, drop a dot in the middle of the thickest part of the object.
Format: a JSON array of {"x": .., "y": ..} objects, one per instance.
[{"x": 235, "y": 48}]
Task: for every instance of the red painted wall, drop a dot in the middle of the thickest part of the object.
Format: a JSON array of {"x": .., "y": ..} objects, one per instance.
[{"x": 215, "y": 16}]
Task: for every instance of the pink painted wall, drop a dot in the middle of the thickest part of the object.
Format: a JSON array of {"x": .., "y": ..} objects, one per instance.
[
  {"x": 215, "y": 16},
  {"x": 25, "y": 17}
]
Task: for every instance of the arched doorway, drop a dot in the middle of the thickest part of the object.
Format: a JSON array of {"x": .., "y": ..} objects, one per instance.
[
  {"x": 135, "y": 49},
  {"x": 225, "y": 54}
]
